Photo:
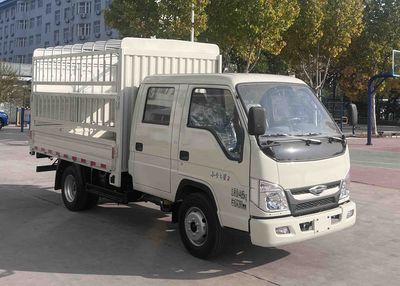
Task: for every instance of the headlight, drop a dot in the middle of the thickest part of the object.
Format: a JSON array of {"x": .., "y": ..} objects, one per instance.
[
  {"x": 345, "y": 187},
  {"x": 272, "y": 197}
]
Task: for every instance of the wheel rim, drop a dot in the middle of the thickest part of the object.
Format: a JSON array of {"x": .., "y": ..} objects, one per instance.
[
  {"x": 70, "y": 188},
  {"x": 196, "y": 226}
]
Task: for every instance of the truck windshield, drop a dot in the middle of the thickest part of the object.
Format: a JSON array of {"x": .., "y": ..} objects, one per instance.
[{"x": 290, "y": 109}]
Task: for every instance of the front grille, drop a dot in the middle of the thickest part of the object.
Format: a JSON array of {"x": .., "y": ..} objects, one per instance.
[
  {"x": 306, "y": 204},
  {"x": 314, "y": 204},
  {"x": 306, "y": 190},
  {"x": 302, "y": 207}
]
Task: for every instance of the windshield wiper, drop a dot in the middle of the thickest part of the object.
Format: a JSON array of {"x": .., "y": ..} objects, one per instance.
[
  {"x": 336, "y": 139},
  {"x": 308, "y": 141},
  {"x": 269, "y": 143}
]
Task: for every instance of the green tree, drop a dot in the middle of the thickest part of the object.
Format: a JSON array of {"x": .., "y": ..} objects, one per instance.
[
  {"x": 250, "y": 27},
  {"x": 321, "y": 33},
  {"x": 371, "y": 53},
  {"x": 8, "y": 82},
  {"x": 160, "y": 18}
]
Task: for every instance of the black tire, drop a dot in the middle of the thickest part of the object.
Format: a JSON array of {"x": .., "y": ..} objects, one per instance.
[
  {"x": 202, "y": 239},
  {"x": 73, "y": 192},
  {"x": 1, "y": 124}
]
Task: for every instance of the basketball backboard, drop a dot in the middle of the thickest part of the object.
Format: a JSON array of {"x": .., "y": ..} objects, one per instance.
[{"x": 396, "y": 63}]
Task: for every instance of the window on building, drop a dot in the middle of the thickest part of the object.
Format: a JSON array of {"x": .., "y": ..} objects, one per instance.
[
  {"x": 12, "y": 29},
  {"x": 97, "y": 5},
  {"x": 22, "y": 7},
  {"x": 31, "y": 23},
  {"x": 1, "y": 32},
  {"x": 48, "y": 8},
  {"x": 158, "y": 105},
  {"x": 56, "y": 36},
  {"x": 38, "y": 39},
  {"x": 20, "y": 59},
  {"x": 30, "y": 42},
  {"x": 11, "y": 46},
  {"x": 33, "y": 4},
  {"x": 108, "y": 30},
  {"x": 47, "y": 28},
  {"x": 39, "y": 21},
  {"x": 40, "y": 3},
  {"x": 46, "y": 44},
  {"x": 84, "y": 7},
  {"x": 12, "y": 12},
  {"x": 22, "y": 24},
  {"x": 6, "y": 31},
  {"x": 67, "y": 12},
  {"x": 5, "y": 47},
  {"x": 83, "y": 30},
  {"x": 57, "y": 16},
  {"x": 96, "y": 27},
  {"x": 66, "y": 35},
  {"x": 1, "y": 16},
  {"x": 7, "y": 13},
  {"x": 21, "y": 42},
  {"x": 71, "y": 34}
]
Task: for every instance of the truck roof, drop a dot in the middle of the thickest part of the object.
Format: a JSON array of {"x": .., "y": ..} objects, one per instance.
[
  {"x": 137, "y": 46},
  {"x": 218, "y": 79}
]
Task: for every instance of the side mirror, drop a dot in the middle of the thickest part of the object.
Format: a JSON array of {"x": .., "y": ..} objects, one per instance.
[
  {"x": 257, "y": 121},
  {"x": 353, "y": 114}
]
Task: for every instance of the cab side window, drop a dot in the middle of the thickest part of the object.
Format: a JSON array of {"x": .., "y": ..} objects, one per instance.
[
  {"x": 214, "y": 109},
  {"x": 158, "y": 105}
]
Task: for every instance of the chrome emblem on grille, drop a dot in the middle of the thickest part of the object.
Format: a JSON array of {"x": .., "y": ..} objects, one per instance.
[{"x": 317, "y": 190}]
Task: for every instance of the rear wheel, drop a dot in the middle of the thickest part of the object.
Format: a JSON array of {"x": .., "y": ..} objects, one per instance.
[
  {"x": 199, "y": 227},
  {"x": 73, "y": 192},
  {"x": 1, "y": 124}
]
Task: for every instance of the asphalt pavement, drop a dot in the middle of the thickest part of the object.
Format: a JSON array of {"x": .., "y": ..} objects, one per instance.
[{"x": 42, "y": 243}]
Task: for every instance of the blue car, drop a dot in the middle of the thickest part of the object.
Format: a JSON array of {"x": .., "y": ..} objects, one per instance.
[{"x": 3, "y": 119}]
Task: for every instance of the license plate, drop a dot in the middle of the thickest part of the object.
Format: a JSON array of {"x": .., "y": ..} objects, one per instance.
[{"x": 322, "y": 224}]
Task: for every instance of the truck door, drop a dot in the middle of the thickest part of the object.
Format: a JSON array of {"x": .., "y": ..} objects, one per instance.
[
  {"x": 214, "y": 151},
  {"x": 152, "y": 139}
]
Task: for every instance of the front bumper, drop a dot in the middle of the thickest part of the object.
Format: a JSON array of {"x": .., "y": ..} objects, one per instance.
[{"x": 263, "y": 231}]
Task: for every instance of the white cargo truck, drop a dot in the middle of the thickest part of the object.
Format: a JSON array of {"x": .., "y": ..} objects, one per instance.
[{"x": 155, "y": 120}]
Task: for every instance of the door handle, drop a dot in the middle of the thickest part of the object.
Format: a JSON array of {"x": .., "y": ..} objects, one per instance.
[
  {"x": 139, "y": 146},
  {"x": 184, "y": 155}
]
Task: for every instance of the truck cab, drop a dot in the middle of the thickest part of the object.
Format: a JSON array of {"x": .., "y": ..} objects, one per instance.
[{"x": 286, "y": 183}]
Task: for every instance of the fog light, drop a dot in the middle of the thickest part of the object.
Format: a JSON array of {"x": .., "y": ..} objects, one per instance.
[
  {"x": 350, "y": 213},
  {"x": 335, "y": 219},
  {"x": 282, "y": 230}
]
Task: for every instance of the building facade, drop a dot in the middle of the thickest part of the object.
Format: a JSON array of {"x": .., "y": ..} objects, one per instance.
[{"x": 29, "y": 24}]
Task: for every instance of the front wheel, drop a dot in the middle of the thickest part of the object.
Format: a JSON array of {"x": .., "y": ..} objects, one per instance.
[{"x": 199, "y": 227}]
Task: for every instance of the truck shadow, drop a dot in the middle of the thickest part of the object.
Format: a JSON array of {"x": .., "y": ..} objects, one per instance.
[
  {"x": 13, "y": 136},
  {"x": 38, "y": 234}
]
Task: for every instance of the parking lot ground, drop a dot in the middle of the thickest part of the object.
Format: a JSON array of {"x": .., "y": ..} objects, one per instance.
[
  {"x": 41, "y": 243},
  {"x": 377, "y": 164}
]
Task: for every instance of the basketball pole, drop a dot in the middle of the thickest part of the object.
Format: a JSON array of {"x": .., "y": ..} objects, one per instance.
[
  {"x": 372, "y": 87},
  {"x": 192, "y": 29}
]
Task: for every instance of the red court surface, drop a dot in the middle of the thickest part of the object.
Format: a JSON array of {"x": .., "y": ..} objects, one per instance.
[
  {"x": 378, "y": 144},
  {"x": 374, "y": 175},
  {"x": 382, "y": 177}
]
